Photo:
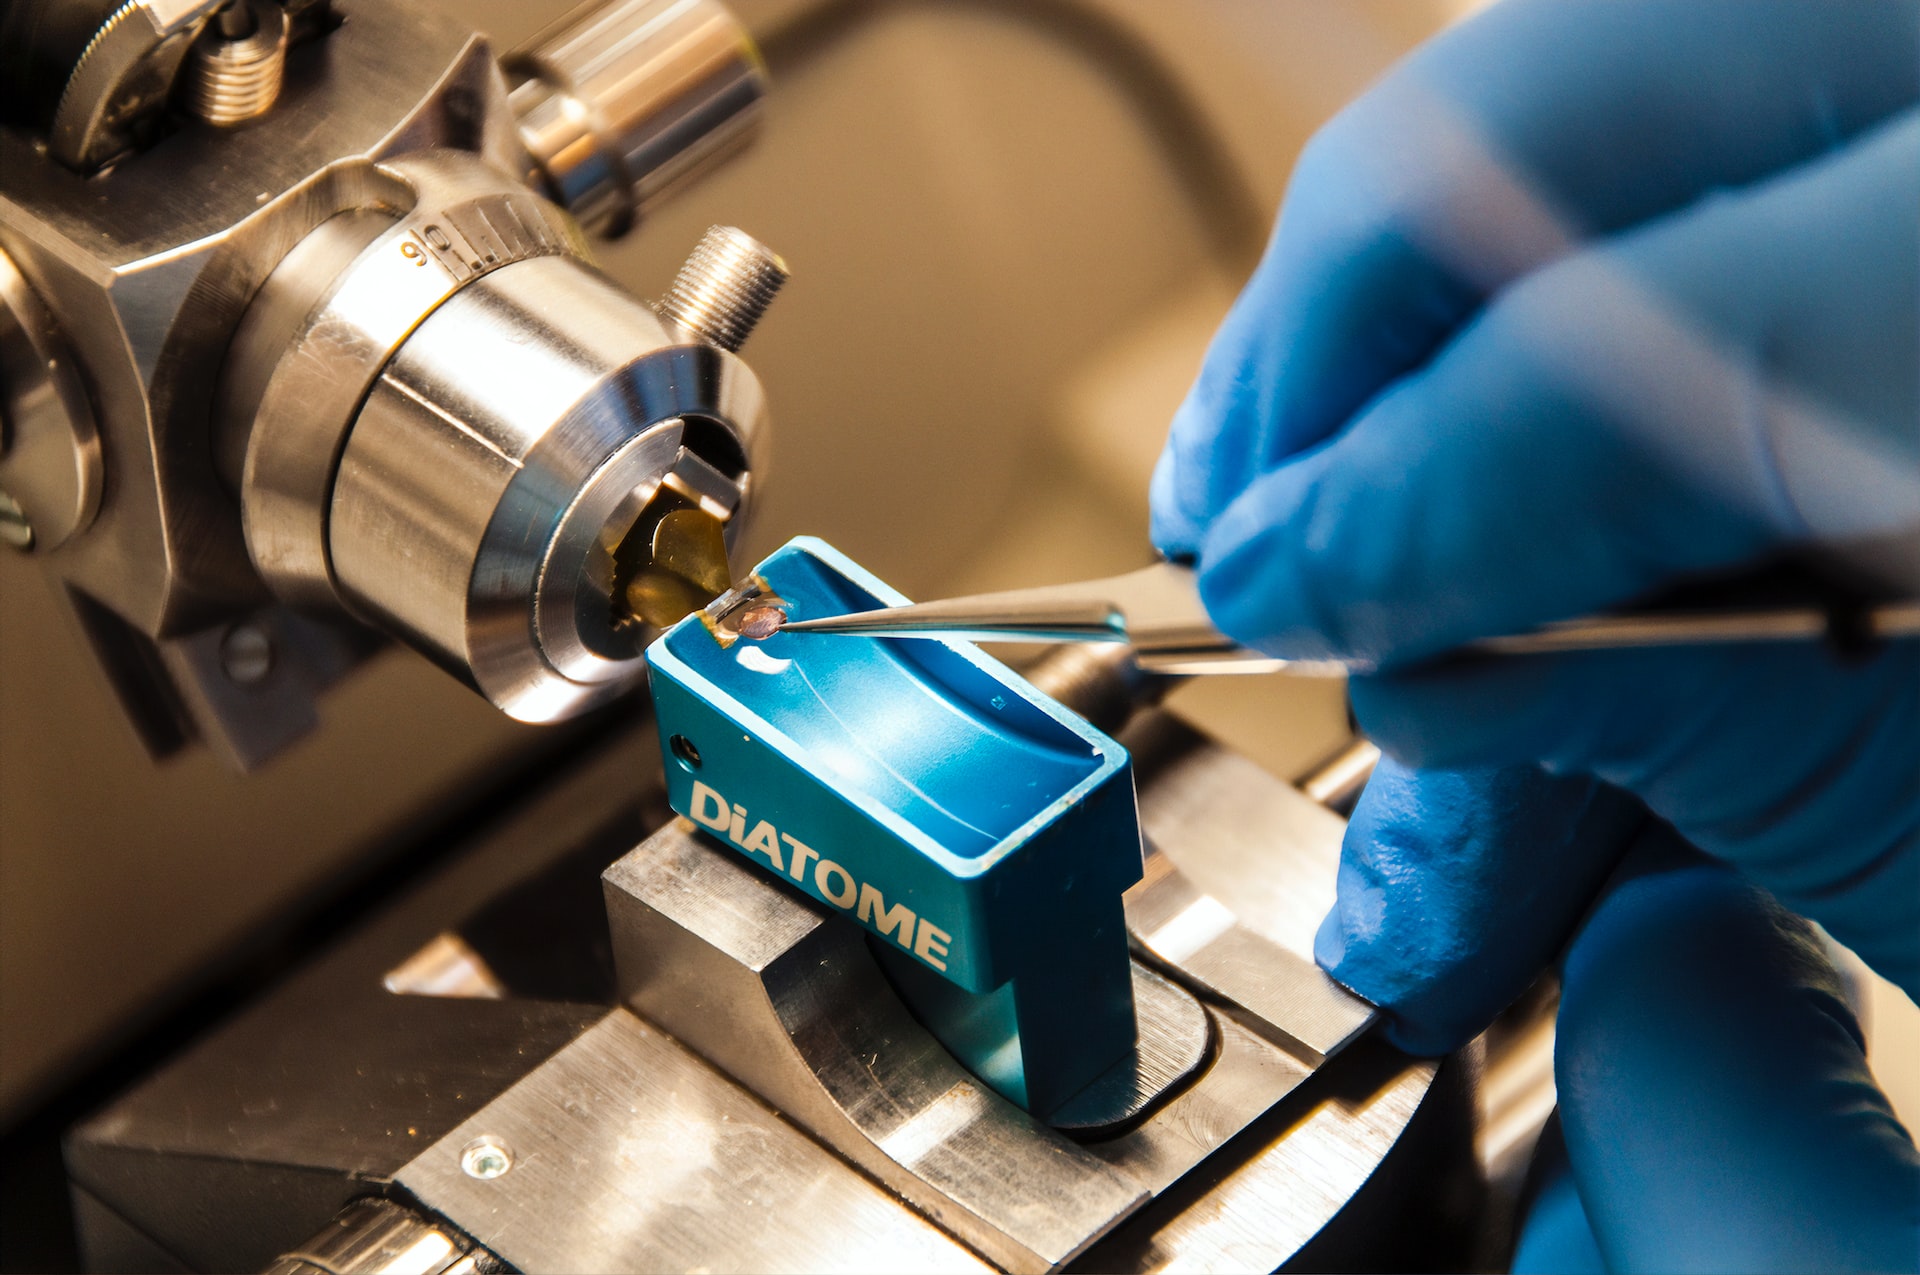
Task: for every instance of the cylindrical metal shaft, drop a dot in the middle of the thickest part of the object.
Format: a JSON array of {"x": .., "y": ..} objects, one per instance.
[
  {"x": 497, "y": 464},
  {"x": 620, "y": 102}
]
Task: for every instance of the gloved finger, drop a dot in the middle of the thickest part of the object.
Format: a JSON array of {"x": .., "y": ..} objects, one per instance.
[
  {"x": 1713, "y": 1084},
  {"x": 1457, "y": 887},
  {"x": 1798, "y": 769},
  {"x": 1495, "y": 148},
  {"x": 1554, "y": 1235},
  {"x": 1736, "y": 378}
]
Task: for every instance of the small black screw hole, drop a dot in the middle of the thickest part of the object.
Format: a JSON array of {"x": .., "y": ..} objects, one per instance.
[{"x": 683, "y": 749}]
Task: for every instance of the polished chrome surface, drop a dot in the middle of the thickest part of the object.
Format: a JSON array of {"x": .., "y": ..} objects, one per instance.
[
  {"x": 50, "y": 465},
  {"x": 209, "y": 278},
  {"x": 381, "y": 1237},
  {"x": 235, "y": 68},
  {"x": 278, "y": 317},
  {"x": 319, "y": 332},
  {"x": 121, "y": 82},
  {"x": 630, "y": 1154},
  {"x": 492, "y": 468},
  {"x": 781, "y": 995},
  {"x": 618, "y": 103},
  {"x": 728, "y": 282}
]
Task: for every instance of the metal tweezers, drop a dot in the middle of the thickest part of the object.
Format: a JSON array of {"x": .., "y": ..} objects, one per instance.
[{"x": 1157, "y": 611}]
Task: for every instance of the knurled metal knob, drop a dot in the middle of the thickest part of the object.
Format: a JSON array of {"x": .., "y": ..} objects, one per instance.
[{"x": 727, "y": 284}]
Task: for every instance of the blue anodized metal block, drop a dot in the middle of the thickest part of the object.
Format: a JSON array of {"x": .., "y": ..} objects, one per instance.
[{"x": 980, "y": 832}]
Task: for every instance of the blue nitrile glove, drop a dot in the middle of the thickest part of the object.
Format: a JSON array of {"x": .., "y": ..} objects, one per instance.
[
  {"x": 1654, "y": 269},
  {"x": 1713, "y": 1085},
  {"x": 1718, "y": 1109},
  {"x": 1582, "y": 297}
]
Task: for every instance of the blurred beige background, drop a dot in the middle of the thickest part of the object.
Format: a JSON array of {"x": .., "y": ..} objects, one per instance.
[{"x": 1001, "y": 289}]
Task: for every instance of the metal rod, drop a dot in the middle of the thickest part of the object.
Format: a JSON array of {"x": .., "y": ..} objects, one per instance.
[
  {"x": 1336, "y": 782},
  {"x": 1895, "y": 620}
]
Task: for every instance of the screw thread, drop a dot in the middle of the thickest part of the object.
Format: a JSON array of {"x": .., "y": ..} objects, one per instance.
[
  {"x": 233, "y": 80},
  {"x": 727, "y": 284}
]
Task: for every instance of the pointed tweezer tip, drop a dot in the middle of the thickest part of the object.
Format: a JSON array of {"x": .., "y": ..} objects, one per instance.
[{"x": 831, "y": 623}]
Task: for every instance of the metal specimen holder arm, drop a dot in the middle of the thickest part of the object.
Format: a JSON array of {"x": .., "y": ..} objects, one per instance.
[
  {"x": 824, "y": 1013},
  {"x": 981, "y": 834},
  {"x": 785, "y": 992}
]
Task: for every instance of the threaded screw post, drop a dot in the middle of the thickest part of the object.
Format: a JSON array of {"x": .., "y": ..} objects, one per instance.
[
  {"x": 727, "y": 284},
  {"x": 237, "y": 65}
]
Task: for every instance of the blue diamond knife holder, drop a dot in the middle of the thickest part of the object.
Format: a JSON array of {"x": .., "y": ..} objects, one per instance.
[{"x": 981, "y": 833}]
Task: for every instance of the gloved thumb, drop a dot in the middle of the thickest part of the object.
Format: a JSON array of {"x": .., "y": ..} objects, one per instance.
[{"x": 1713, "y": 1085}]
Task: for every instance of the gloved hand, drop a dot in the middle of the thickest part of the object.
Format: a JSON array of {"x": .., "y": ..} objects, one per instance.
[
  {"x": 1713, "y": 1086},
  {"x": 1581, "y": 298}
]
